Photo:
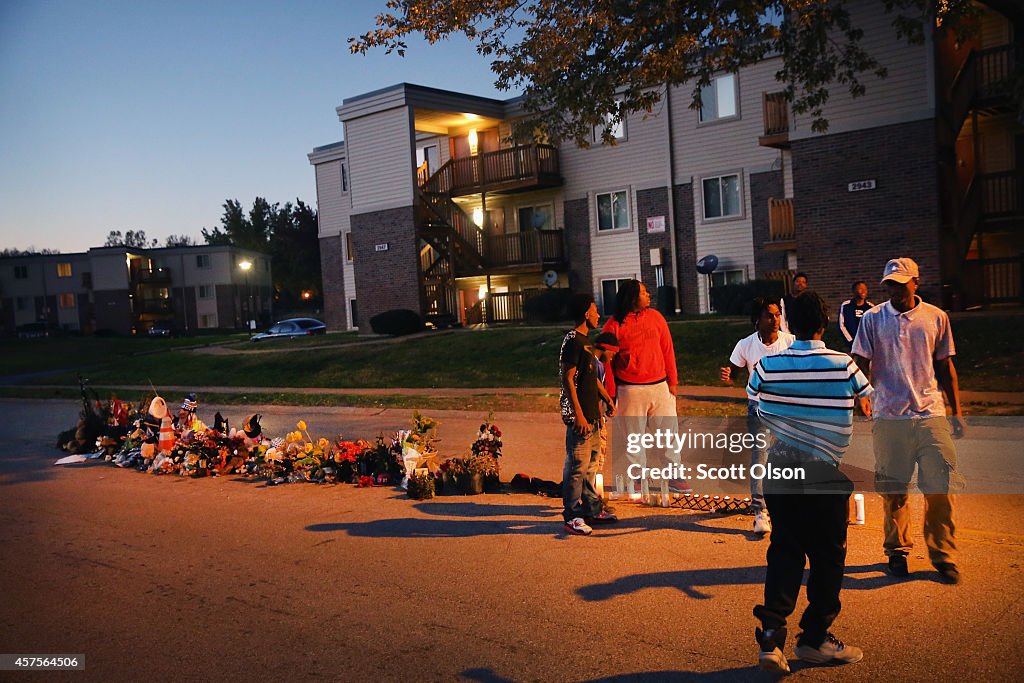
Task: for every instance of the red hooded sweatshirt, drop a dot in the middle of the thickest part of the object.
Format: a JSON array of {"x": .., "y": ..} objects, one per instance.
[{"x": 646, "y": 354}]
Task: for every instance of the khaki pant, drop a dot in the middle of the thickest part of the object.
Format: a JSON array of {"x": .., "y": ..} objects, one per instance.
[{"x": 926, "y": 443}]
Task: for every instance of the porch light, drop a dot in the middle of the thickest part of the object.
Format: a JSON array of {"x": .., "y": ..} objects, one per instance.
[
  {"x": 472, "y": 141},
  {"x": 478, "y": 217}
]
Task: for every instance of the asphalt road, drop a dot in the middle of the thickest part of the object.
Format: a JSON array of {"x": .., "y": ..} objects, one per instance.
[{"x": 161, "y": 578}]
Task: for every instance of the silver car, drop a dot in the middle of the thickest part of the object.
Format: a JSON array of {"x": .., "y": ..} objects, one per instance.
[{"x": 292, "y": 327}]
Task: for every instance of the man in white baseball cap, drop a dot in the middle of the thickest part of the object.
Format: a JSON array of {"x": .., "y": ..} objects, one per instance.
[{"x": 906, "y": 347}]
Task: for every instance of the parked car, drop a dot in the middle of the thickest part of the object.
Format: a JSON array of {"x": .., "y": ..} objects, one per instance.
[
  {"x": 161, "y": 328},
  {"x": 33, "y": 331},
  {"x": 292, "y": 327}
]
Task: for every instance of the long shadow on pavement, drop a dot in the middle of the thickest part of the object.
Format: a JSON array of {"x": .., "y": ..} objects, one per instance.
[{"x": 692, "y": 580}]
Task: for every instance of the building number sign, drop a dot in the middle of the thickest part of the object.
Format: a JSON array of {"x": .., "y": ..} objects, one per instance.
[
  {"x": 380, "y": 247},
  {"x": 861, "y": 185}
]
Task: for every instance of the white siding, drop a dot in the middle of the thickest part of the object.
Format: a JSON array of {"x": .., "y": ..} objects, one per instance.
[
  {"x": 613, "y": 255},
  {"x": 381, "y": 160},
  {"x": 906, "y": 95},
  {"x": 332, "y": 204},
  {"x": 109, "y": 272},
  {"x": 994, "y": 30}
]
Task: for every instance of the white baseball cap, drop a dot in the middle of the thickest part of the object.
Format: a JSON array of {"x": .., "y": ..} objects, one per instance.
[{"x": 900, "y": 270}]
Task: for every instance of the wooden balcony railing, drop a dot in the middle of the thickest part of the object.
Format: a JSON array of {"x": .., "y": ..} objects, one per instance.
[
  {"x": 985, "y": 76},
  {"x": 519, "y": 166},
  {"x": 775, "y": 108},
  {"x": 531, "y": 247},
  {"x": 1002, "y": 194},
  {"x": 781, "y": 221}
]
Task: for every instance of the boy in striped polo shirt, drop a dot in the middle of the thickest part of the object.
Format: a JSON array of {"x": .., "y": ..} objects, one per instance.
[{"x": 806, "y": 396}]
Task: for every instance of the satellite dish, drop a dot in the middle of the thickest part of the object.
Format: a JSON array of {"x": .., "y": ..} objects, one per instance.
[
  {"x": 707, "y": 264},
  {"x": 550, "y": 278}
]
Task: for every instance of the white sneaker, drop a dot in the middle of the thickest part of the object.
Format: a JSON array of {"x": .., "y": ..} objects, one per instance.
[
  {"x": 762, "y": 522},
  {"x": 578, "y": 527},
  {"x": 773, "y": 661},
  {"x": 832, "y": 651}
]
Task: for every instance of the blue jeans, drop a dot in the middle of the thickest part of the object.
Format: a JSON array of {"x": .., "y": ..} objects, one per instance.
[
  {"x": 757, "y": 456},
  {"x": 579, "y": 497}
]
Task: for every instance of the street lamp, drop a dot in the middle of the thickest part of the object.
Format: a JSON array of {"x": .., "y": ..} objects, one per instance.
[{"x": 245, "y": 265}]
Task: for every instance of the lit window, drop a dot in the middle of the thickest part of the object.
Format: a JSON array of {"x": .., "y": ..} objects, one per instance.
[
  {"x": 67, "y": 300},
  {"x": 718, "y": 100},
  {"x": 63, "y": 270},
  {"x": 722, "y": 196},
  {"x": 613, "y": 211}
]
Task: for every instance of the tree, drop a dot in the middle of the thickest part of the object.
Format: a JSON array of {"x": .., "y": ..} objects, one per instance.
[
  {"x": 31, "y": 251},
  {"x": 289, "y": 233},
  {"x": 132, "y": 238},
  {"x": 179, "y": 241},
  {"x": 587, "y": 63}
]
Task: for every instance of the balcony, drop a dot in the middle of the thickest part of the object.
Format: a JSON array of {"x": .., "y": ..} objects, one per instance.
[
  {"x": 1002, "y": 196},
  {"x": 531, "y": 249},
  {"x": 781, "y": 225},
  {"x": 157, "y": 276},
  {"x": 984, "y": 82},
  {"x": 515, "y": 169},
  {"x": 775, "y": 109}
]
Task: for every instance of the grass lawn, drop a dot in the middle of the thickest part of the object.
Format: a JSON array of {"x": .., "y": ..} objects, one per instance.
[{"x": 990, "y": 357}]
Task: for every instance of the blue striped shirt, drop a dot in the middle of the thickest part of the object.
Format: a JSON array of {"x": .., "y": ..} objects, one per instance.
[{"x": 806, "y": 396}]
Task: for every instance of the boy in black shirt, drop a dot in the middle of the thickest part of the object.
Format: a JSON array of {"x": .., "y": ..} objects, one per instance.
[{"x": 580, "y": 404}]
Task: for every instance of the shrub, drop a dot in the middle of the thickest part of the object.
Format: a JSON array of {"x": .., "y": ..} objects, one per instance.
[
  {"x": 737, "y": 299},
  {"x": 550, "y": 306},
  {"x": 396, "y": 322}
]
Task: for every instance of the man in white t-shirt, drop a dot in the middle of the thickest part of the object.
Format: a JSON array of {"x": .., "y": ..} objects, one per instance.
[{"x": 766, "y": 340}]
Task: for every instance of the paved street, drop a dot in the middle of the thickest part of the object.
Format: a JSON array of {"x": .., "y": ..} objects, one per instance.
[{"x": 162, "y": 578}]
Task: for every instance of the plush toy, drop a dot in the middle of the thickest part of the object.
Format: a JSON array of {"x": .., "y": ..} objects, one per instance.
[
  {"x": 251, "y": 432},
  {"x": 220, "y": 425}
]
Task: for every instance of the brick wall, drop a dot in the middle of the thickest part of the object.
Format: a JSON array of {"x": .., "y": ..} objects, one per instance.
[
  {"x": 847, "y": 236},
  {"x": 686, "y": 248},
  {"x": 576, "y": 219},
  {"x": 388, "y": 279},
  {"x": 654, "y": 202},
  {"x": 762, "y": 187},
  {"x": 332, "y": 260},
  {"x": 229, "y": 306}
]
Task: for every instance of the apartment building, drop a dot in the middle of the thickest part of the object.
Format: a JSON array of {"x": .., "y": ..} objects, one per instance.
[
  {"x": 127, "y": 291},
  {"x": 428, "y": 204}
]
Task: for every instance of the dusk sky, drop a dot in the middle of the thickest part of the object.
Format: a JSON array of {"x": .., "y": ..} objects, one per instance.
[{"x": 129, "y": 115}]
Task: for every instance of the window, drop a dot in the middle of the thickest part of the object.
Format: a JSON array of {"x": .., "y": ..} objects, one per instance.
[
  {"x": 618, "y": 127},
  {"x": 722, "y": 196},
  {"x": 612, "y": 211},
  {"x": 344, "y": 178},
  {"x": 609, "y": 288},
  {"x": 429, "y": 154},
  {"x": 354, "y": 322},
  {"x": 718, "y": 100},
  {"x": 67, "y": 300},
  {"x": 20, "y": 272},
  {"x": 202, "y": 260},
  {"x": 348, "y": 246},
  {"x": 728, "y": 277},
  {"x": 20, "y": 303},
  {"x": 87, "y": 280},
  {"x": 205, "y": 291},
  {"x": 63, "y": 270},
  {"x": 207, "y": 320},
  {"x": 535, "y": 217}
]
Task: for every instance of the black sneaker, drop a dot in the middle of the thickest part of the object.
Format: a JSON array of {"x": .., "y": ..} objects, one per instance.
[
  {"x": 898, "y": 565},
  {"x": 948, "y": 573},
  {"x": 604, "y": 518}
]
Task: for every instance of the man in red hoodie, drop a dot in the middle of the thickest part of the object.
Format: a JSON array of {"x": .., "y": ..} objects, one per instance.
[{"x": 645, "y": 367}]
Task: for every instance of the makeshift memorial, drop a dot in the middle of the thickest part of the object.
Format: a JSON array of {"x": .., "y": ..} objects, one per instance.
[
  {"x": 485, "y": 453},
  {"x": 421, "y": 485}
]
